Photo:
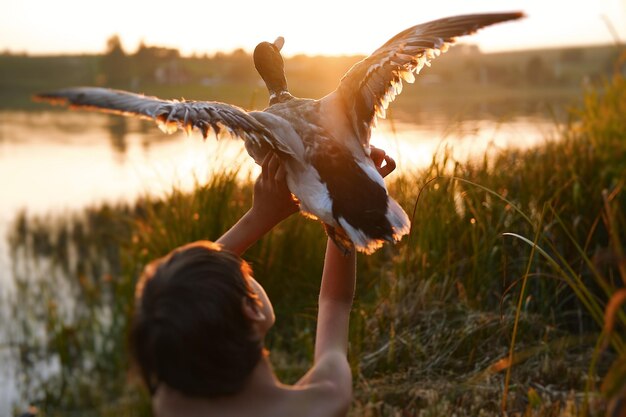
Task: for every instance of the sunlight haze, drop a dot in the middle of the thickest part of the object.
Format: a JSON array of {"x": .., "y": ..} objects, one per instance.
[{"x": 328, "y": 27}]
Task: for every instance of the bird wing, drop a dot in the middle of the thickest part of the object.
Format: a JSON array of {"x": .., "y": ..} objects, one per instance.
[
  {"x": 371, "y": 84},
  {"x": 170, "y": 115}
]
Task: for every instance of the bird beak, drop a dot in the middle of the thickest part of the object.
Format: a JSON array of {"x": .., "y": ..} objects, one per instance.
[{"x": 279, "y": 42}]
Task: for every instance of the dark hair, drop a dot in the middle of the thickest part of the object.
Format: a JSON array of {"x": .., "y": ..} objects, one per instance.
[{"x": 189, "y": 330}]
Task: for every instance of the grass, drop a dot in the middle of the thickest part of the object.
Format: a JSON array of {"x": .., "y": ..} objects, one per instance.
[{"x": 506, "y": 298}]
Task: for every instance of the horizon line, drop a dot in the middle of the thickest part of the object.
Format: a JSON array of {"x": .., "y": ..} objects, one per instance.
[{"x": 196, "y": 54}]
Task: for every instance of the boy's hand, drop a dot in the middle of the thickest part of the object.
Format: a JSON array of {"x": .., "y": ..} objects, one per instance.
[
  {"x": 379, "y": 156},
  {"x": 272, "y": 201}
]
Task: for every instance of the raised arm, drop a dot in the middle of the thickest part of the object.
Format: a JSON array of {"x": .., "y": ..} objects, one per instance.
[
  {"x": 272, "y": 204},
  {"x": 335, "y": 302},
  {"x": 331, "y": 373}
]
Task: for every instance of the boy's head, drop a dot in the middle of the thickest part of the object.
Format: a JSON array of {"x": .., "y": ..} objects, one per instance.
[{"x": 199, "y": 321}]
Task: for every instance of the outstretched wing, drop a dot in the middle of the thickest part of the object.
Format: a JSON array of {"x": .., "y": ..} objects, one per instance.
[
  {"x": 168, "y": 114},
  {"x": 371, "y": 84}
]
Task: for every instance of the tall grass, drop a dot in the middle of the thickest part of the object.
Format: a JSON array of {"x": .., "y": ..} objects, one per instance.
[
  {"x": 507, "y": 295},
  {"x": 535, "y": 235}
]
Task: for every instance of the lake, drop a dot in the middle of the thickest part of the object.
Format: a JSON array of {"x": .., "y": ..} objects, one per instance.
[{"x": 54, "y": 161}]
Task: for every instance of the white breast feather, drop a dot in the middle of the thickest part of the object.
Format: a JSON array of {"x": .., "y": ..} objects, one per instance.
[
  {"x": 305, "y": 183},
  {"x": 400, "y": 223}
]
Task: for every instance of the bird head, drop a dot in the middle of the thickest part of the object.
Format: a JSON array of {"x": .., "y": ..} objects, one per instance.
[{"x": 270, "y": 65}]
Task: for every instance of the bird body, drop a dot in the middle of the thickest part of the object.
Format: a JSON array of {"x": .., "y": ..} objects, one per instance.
[
  {"x": 323, "y": 143},
  {"x": 332, "y": 174}
]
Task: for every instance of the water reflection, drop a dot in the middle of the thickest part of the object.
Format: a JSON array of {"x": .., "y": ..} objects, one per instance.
[
  {"x": 118, "y": 130},
  {"x": 60, "y": 159},
  {"x": 414, "y": 145}
]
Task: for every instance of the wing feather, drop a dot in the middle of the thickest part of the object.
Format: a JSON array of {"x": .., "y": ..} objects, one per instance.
[
  {"x": 170, "y": 115},
  {"x": 371, "y": 84}
]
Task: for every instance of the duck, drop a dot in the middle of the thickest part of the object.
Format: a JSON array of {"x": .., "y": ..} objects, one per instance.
[{"x": 323, "y": 143}]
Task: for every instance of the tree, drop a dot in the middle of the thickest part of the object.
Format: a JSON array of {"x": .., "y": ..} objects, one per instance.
[
  {"x": 154, "y": 62},
  {"x": 115, "y": 63},
  {"x": 537, "y": 71}
]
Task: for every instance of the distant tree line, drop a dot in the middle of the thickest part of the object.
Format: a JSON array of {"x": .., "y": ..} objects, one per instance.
[
  {"x": 231, "y": 76},
  {"x": 463, "y": 64},
  {"x": 161, "y": 65}
]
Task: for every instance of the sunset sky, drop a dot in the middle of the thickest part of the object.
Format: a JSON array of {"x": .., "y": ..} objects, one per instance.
[{"x": 312, "y": 27}]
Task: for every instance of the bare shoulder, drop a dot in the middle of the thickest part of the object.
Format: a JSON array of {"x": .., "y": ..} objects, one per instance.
[
  {"x": 329, "y": 383},
  {"x": 331, "y": 367}
]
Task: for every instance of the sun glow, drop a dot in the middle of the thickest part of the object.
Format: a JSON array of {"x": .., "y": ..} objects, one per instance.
[{"x": 329, "y": 27}]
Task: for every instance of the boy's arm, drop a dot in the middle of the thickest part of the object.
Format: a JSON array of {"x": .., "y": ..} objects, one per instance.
[
  {"x": 272, "y": 203},
  {"x": 331, "y": 372},
  {"x": 335, "y": 302}
]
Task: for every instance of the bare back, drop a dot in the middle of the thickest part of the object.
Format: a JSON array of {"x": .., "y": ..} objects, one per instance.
[{"x": 259, "y": 399}]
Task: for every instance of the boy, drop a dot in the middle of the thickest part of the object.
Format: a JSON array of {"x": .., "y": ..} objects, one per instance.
[{"x": 201, "y": 318}]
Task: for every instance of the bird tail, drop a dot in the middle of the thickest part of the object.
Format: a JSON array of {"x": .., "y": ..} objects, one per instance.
[
  {"x": 397, "y": 226},
  {"x": 400, "y": 223},
  {"x": 340, "y": 238}
]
